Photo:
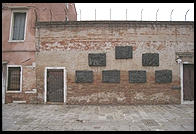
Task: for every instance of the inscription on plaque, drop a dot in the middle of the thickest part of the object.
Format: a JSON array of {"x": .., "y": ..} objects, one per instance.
[
  {"x": 83, "y": 76},
  {"x": 150, "y": 59},
  {"x": 137, "y": 76},
  {"x": 98, "y": 59},
  {"x": 111, "y": 76},
  {"x": 123, "y": 52},
  {"x": 163, "y": 76}
]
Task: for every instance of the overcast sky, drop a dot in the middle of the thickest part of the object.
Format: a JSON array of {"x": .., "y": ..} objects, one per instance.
[{"x": 118, "y": 11}]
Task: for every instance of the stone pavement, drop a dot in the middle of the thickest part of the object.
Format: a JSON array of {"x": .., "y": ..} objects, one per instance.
[{"x": 39, "y": 117}]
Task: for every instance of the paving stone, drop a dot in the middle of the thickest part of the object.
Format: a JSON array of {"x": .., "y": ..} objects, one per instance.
[
  {"x": 97, "y": 118},
  {"x": 150, "y": 122},
  {"x": 110, "y": 117},
  {"x": 134, "y": 128}
]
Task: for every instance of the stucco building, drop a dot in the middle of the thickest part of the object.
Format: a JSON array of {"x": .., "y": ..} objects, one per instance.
[{"x": 18, "y": 45}]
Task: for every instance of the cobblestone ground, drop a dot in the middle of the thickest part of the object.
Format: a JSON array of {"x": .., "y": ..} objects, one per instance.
[{"x": 32, "y": 117}]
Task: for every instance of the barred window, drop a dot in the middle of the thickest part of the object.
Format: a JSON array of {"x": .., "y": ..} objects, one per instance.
[{"x": 14, "y": 78}]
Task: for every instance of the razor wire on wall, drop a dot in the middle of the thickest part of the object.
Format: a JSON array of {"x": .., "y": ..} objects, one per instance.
[{"x": 142, "y": 15}]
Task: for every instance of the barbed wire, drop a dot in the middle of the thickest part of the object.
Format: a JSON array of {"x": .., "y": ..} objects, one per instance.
[{"x": 141, "y": 15}]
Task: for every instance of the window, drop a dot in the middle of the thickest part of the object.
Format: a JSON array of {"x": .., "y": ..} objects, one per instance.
[
  {"x": 18, "y": 26},
  {"x": 14, "y": 78}
]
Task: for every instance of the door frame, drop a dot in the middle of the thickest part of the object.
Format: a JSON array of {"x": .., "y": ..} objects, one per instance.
[
  {"x": 3, "y": 87},
  {"x": 181, "y": 81},
  {"x": 4, "y": 80},
  {"x": 65, "y": 82}
]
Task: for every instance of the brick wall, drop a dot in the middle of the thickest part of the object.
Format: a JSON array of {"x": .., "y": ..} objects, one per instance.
[
  {"x": 28, "y": 85},
  {"x": 69, "y": 44}
]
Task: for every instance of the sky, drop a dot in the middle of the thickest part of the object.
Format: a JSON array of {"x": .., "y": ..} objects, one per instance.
[{"x": 133, "y": 11}]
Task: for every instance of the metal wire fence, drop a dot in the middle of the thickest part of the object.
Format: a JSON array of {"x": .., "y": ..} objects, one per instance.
[{"x": 155, "y": 15}]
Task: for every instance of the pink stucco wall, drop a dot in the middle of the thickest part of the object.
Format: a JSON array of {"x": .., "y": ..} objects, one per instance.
[
  {"x": 23, "y": 53},
  {"x": 45, "y": 12}
]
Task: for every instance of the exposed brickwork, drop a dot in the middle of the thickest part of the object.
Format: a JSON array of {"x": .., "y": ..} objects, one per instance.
[
  {"x": 120, "y": 93},
  {"x": 28, "y": 84},
  {"x": 68, "y": 45},
  {"x": 29, "y": 98},
  {"x": 29, "y": 79}
]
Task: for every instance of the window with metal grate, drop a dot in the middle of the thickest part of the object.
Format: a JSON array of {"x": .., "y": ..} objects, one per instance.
[{"x": 14, "y": 79}]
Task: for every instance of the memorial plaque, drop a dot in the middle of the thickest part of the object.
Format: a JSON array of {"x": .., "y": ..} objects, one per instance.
[
  {"x": 123, "y": 52},
  {"x": 137, "y": 76},
  {"x": 163, "y": 76},
  {"x": 98, "y": 59},
  {"x": 84, "y": 76},
  {"x": 150, "y": 59},
  {"x": 111, "y": 76}
]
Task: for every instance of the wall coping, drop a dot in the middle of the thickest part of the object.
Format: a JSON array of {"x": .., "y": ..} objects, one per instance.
[{"x": 110, "y": 23}]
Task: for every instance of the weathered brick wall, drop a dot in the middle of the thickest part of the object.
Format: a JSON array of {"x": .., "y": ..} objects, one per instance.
[
  {"x": 69, "y": 45},
  {"x": 25, "y": 59},
  {"x": 28, "y": 85}
]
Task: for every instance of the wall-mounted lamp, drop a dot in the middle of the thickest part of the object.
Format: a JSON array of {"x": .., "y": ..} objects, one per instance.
[{"x": 178, "y": 60}]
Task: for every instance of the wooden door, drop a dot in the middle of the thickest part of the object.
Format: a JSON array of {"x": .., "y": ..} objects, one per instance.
[
  {"x": 55, "y": 85},
  {"x": 188, "y": 82}
]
